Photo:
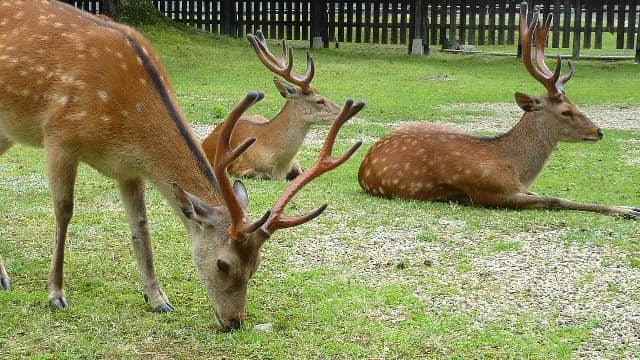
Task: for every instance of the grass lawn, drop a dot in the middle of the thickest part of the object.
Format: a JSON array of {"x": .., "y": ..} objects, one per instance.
[{"x": 370, "y": 278}]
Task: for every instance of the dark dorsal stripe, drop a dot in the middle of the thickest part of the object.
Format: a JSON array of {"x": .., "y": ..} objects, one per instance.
[{"x": 153, "y": 73}]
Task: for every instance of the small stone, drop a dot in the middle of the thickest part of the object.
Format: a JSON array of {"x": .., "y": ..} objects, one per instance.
[
  {"x": 263, "y": 327},
  {"x": 428, "y": 262},
  {"x": 401, "y": 265}
]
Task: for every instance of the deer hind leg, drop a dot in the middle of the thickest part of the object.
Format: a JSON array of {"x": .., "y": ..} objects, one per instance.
[
  {"x": 132, "y": 193},
  {"x": 5, "y": 284},
  {"x": 530, "y": 201},
  {"x": 294, "y": 170},
  {"x": 61, "y": 169}
]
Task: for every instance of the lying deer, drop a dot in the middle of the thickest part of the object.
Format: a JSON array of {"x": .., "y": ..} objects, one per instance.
[
  {"x": 440, "y": 163},
  {"x": 94, "y": 91},
  {"x": 277, "y": 141}
]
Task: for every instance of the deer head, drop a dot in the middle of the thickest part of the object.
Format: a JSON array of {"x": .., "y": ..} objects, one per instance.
[
  {"x": 564, "y": 118},
  {"x": 302, "y": 99},
  {"x": 226, "y": 247}
]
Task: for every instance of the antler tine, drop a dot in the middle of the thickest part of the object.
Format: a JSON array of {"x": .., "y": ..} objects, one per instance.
[
  {"x": 541, "y": 34},
  {"x": 564, "y": 78},
  {"x": 282, "y": 66},
  {"x": 526, "y": 35},
  {"x": 325, "y": 162},
  {"x": 225, "y": 156}
]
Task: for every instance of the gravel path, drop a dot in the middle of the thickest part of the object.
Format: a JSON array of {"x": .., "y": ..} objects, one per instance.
[{"x": 556, "y": 282}]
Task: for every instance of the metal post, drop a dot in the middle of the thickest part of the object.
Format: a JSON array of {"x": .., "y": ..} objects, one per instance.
[{"x": 417, "y": 34}]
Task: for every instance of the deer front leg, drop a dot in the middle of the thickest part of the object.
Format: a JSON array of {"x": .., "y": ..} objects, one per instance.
[
  {"x": 132, "y": 193},
  {"x": 529, "y": 201},
  {"x": 61, "y": 170},
  {"x": 5, "y": 284},
  {"x": 294, "y": 170},
  {"x": 4, "y": 277}
]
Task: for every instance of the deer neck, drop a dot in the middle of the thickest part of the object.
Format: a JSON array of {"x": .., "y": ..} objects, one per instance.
[
  {"x": 292, "y": 130},
  {"x": 529, "y": 144}
]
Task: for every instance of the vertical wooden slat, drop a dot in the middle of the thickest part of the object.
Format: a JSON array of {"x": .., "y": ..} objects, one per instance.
[
  {"x": 599, "y": 26},
  {"x": 405, "y": 20},
  {"x": 555, "y": 26},
  {"x": 492, "y": 23},
  {"x": 482, "y": 21},
  {"x": 501, "y": 20},
  {"x": 367, "y": 20},
  {"x": 631, "y": 23},
  {"x": 433, "y": 22},
  {"x": 511, "y": 31},
  {"x": 462, "y": 27},
  {"x": 385, "y": 21},
  {"x": 376, "y": 21},
  {"x": 566, "y": 25},
  {"x": 359, "y": 25},
  {"x": 350, "y": 12},
  {"x": 588, "y": 24},
  {"x": 394, "y": 21},
  {"x": 620, "y": 26}
]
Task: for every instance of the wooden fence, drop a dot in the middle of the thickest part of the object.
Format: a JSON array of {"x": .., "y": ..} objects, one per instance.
[{"x": 576, "y": 24}]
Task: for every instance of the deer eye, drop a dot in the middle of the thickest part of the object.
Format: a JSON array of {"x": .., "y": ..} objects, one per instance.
[
  {"x": 567, "y": 113},
  {"x": 223, "y": 266},
  {"x": 320, "y": 102}
]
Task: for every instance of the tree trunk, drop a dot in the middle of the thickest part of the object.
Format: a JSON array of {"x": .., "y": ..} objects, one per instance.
[{"x": 111, "y": 7}]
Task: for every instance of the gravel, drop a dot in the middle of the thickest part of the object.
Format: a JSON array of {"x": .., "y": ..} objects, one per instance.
[{"x": 554, "y": 281}]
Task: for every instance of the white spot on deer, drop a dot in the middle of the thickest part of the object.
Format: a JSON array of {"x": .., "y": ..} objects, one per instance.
[
  {"x": 145, "y": 51},
  {"x": 381, "y": 191},
  {"x": 367, "y": 172},
  {"x": 395, "y": 181},
  {"x": 123, "y": 66},
  {"x": 467, "y": 171},
  {"x": 105, "y": 118},
  {"x": 94, "y": 52},
  {"x": 4, "y": 22},
  {"x": 108, "y": 49},
  {"x": 4, "y": 57},
  {"x": 140, "y": 107},
  {"x": 428, "y": 185},
  {"x": 455, "y": 177},
  {"x": 139, "y": 60},
  {"x": 81, "y": 56},
  {"x": 39, "y": 68},
  {"x": 19, "y": 15},
  {"x": 58, "y": 25},
  {"x": 62, "y": 99},
  {"x": 25, "y": 92},
  {"x": 384, "y": 169},
  {"x": 119, "y": 55},
  {"x": 103, "y": 95},
  {"x": 23, "y": 73},
  {"x": 77, "y": 116}
]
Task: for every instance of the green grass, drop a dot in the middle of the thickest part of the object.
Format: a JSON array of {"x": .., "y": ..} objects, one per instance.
[{"x": 324, "y": 310}]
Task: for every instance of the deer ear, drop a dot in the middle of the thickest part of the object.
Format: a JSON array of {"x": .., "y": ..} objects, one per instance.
[
  {"x": 285, "y": 89},
  {"x": 241, "y": 194},
  {"x": 528, "y": 103},
  {"x": 192, "y": 207}
]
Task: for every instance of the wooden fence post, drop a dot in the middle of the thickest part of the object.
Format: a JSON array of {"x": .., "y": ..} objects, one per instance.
[
  {"x": 319, "y": 25},
  {"x": 419, "y": 34},
  {"x": 228, "y": 18},
  {"x": 577, "y": 28},
  {"x": 638, "y": 48}
]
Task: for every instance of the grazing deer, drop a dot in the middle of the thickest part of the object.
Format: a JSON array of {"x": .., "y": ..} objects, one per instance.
[
  {"x": 94, "y": 91},
  {"x": 277, "y": 141},
  {"x": 439, "y": 163}
]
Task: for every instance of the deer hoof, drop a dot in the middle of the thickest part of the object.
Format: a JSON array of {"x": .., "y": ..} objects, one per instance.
[
  {"x": 58, "y": 303},
  {"x": 5, "y": 284},
  {"x": 163, "y": 308}
]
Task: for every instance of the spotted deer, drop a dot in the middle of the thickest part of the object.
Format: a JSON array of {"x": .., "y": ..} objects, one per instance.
[
  {"x": 440, "y": 163},
  {"x": 278, "y": 140},
  {"x": 94, "y": 91}
]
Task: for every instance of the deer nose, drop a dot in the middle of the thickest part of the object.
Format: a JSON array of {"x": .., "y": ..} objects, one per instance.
[{"x": 600, "y": 134}]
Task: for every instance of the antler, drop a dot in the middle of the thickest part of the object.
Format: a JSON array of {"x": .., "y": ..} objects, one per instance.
[
  {"x": 277, "y": 65},
  {"x": 552, "y": 81},
  {"x": 225, "y": 156},
  {"x": 277, "y": 219}
]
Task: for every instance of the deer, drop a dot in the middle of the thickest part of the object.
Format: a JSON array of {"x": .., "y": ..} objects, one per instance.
[
  {"x": 273, "y": 156},
  {"x": 443, "y": 164},
  {"x": 94, "y": 91}
]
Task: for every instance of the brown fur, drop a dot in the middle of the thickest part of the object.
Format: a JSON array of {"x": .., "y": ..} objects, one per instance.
[
  {"x": 90, "y": 90},
  {"x": 439, "y": 163}
]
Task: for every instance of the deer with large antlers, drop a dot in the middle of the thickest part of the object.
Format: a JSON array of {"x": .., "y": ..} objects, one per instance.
[
  {"x": 440, "y": 163},
  {"x": 273, "y": 156},
  {"x": 92, "y": 91}
]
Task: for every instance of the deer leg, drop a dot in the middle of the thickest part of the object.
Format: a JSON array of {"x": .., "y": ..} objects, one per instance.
[
  {"x": 529, "y": 201},
  {"x": 5, "y": 284},
  {"x": 132, "y": 193},
  {"x": 61, "y": 169},
  {"x": 294, "y": 170}
]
